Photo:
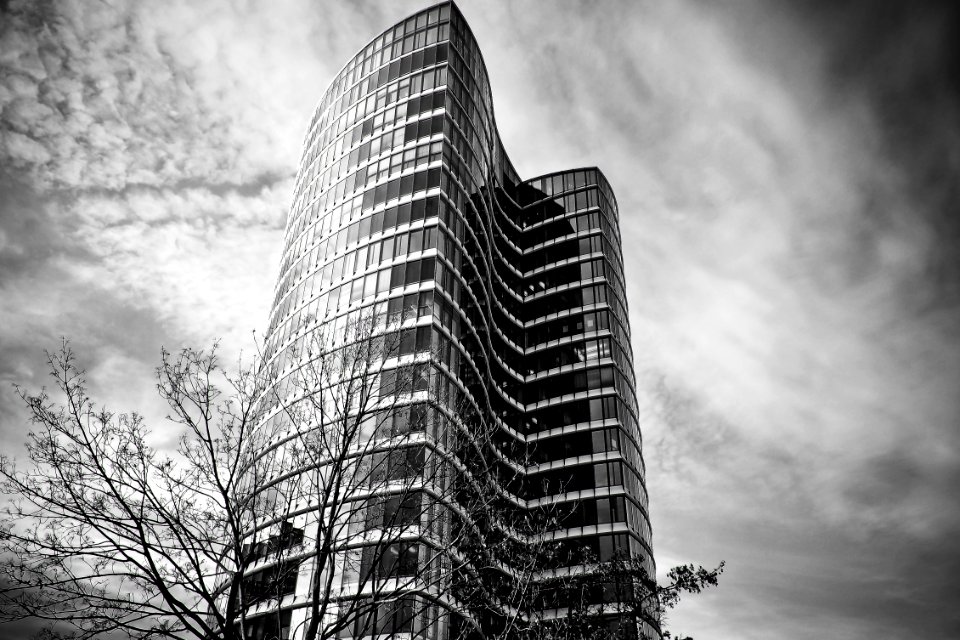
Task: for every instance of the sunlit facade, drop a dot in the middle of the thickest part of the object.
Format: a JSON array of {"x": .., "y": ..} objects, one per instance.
[{"x": 406, "y": 199}]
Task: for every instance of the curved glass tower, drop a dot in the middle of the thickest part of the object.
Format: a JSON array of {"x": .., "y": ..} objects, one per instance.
[{"x": 405, "y": 199}]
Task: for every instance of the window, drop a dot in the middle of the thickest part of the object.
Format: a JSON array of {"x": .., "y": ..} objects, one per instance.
[
  {"x": 398, "y": 464},
  {"x": 607, "y": 474},
  {"x": 370, "y": 285},
  {"x": 416, "y": 241},
  {"x": 271, "y": 626},
  {"x": 424, "y": 338},
  {"x": 399, "y": 559},
  {"x": 421, "y": 377},
  {"x": 408, "y": 342},
  {"x": 395, "y": 616},
  {"x": 271, "y": 583},
  {"x": 413, "y": 271},
  {"x": 394, "y": 511},
  {"x": 419, "y": 415}
]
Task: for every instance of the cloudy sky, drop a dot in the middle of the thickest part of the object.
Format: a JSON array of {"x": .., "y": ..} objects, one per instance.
[{"x": 789, "y": 183}]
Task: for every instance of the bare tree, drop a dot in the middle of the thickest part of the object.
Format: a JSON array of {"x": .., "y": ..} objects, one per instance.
[
  {"x": 353, "y": 490},
  {"x": 104, "y": 533},
  {"x": 351, "y": 486}
]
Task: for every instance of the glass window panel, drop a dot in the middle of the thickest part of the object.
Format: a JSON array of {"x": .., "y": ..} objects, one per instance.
[
  {"x": 413, "y": 272},
  {"x": 373, "y": 254},
  {"x": 400, "y": 247},
  {"x": 416, "y": 241},
  {"x": 403, "y": 215},
  {"x": 603, "y": 511},
  {"x": 600, "y": 478},
  {"x": 599, "y": 441},
  {"x": 370, "y": 285}
]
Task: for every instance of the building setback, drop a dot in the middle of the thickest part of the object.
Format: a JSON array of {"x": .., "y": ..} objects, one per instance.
[{"x": 406, "y": 200}]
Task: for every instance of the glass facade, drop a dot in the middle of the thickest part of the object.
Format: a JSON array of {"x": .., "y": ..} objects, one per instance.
[{"x": 406, "y": 203}]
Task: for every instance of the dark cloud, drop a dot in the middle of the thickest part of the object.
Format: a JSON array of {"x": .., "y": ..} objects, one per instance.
[
  {"x": 39, "y": 257},
  {"x": 29, "y": 235},
  {"x": 904, "y": 58}
]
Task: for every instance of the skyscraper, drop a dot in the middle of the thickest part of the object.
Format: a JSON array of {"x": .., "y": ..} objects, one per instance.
[{"x": 406, "y": 200}]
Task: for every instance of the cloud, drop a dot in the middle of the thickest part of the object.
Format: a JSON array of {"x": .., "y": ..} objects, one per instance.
[
  {"x": 114, "y": 98},
  {"x": 157, "y": 134},
  {"x": 786, "y": 182},
  {"x": 165, "y": 137}
]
